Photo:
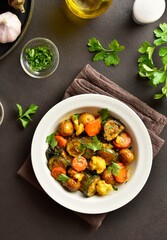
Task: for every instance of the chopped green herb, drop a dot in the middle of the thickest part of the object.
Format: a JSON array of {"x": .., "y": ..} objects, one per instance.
[
  {"x": 63, "y": 178},
  {"x": 76, "y": 116},
  {"x": 25, "y": 117},
  {"x": 104, "y": 114},
  {"x": 114, "y": 168},
  {"x": 95, "y": 145},
  {"x": 39, "y": 58},
  {"x": 109, "y": 56},
  {"x": 147, "y": 69},
  {"x": 115, "y": 188},
  {"x": 51, "y": 140}
]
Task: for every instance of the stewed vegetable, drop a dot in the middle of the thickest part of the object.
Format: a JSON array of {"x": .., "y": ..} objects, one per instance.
[{"x": 90, "y": 153}]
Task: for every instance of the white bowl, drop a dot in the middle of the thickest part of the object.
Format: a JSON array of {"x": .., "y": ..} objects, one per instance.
[{"x": 141, "y": 145}]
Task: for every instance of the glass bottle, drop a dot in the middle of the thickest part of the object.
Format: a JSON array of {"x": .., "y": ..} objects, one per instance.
[{"x": 88, "y": 8}]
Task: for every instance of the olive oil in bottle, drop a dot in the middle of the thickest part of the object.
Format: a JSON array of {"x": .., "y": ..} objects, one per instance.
[{"x": 88, "y": 8}]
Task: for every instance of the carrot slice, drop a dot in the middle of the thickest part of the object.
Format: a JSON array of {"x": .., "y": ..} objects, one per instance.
[
  {"x": 79, "y": 163},
  {"x": 121, "y": 175},
  {"x": 62, "y": 142},
  {"x": 122, "y": 141},
  {"x": 93, "y": 128},
  {"x": 56, "y": 171}
]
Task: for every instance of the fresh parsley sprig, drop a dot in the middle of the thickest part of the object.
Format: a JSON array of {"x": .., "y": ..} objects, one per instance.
[
  {"x": 25, "y": 117},
  {"x": 95, "y": 145},
  {"x": 147, "y": 69},
  {"x": 109, "y": 56},
  {"x": 114, "y": 168},
  {"x": 51, "y": 140},
  {"x": 104, "y": 114}
]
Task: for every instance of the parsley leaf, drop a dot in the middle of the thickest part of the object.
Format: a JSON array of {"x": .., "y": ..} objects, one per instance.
[
  {"x": 39, "y": 58},
  {"x": 161, "y": 34},
  {"x": 51, "y": 140},
  {"x": 25, "y": 117},
  {"x": 147, "y": 68},
  {"x": 163, "y": 54},
  {"x": 95, "y": 145},
  {"x": 114, "y": 168},
  {"x": 109, "y": 56},
  {"x": 148, "y": 49},
  {"x": 63, "y": 178},
  {"x": 104, "y": 114}
]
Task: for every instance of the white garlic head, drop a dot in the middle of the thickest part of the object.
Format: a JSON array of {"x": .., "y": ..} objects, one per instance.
[{"x": 10, "y": 27}]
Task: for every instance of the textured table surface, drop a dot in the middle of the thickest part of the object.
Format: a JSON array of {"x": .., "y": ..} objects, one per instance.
[{"x": 27, "y": 213}]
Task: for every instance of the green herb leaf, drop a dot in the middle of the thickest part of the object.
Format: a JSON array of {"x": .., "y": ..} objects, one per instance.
[
  {"x": 161, "y": 34},
  {"x": 25, "y": 117},
  {"x": 99, "y": 56},
  {"x": 163, "y": 54},
  {"x": 63, "y": 178},
  {"x": 114, "y": 168},
  {"x": 114, "y": 46},
  {"x": 104, "y": 114},
  {"x": 51, "y": 140},
  {"x": 158, "y": 77},
  {"x": 20, "y": 110},
  {"x": 146, "y": 66},
  {"x": 24, "y": 122},
  {"x": 115, "y": 188},
  {"x": 75, "y": 116},
  {"x": 111, "y": 59},
  {"x": 95, "y": 145},
  {"x": 39, "y": 58},
  {"x": 94, "y": 45},
  {"x": 109, "y": 56}
]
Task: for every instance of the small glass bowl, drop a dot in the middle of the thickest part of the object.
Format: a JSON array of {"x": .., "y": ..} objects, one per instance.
[
  {"x": 40, "y": 42},
  {"x": 1, "y": 113}
]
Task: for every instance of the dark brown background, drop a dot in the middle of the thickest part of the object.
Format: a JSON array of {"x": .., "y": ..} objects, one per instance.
[{"x": 27, "y": 213}]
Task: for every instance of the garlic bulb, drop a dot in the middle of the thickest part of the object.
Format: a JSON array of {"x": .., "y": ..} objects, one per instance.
[{"x": 10, "y": 27}]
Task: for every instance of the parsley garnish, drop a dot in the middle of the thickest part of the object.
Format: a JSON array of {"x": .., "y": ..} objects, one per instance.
[
  {"x": 109, "y": 56},
  {"x": 115, "y": 188},
  {"x": 39, "y": 58},
  {"x": 51, "y": 140},
  {"x": 95, "y": 145},
  {"x": 147, "y": 68},
  {"x": 104, "y": 114},
  {"x": 25, "y": 117},
  {"x": 75, "y": 116},
  {"x": 114, "y": 168},
  {"x": 63, "y": 178}
]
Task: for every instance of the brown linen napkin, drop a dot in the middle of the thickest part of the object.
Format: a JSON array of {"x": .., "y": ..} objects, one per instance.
[{"x": 91, "y": 81}]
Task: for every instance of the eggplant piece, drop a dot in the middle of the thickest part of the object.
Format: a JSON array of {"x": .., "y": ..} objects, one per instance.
[
  {"x": 108, "y": 177},
  {"x": 57, "y": 161},
  {"x": 112, "y": 128},
  {"x": 88, "y": 152},
  {"x": 88, "y": 184},
  {"x": 75, "y": 147},
  {"x": 51, "y": 153},
  {"x": 108, "y": 155}
]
